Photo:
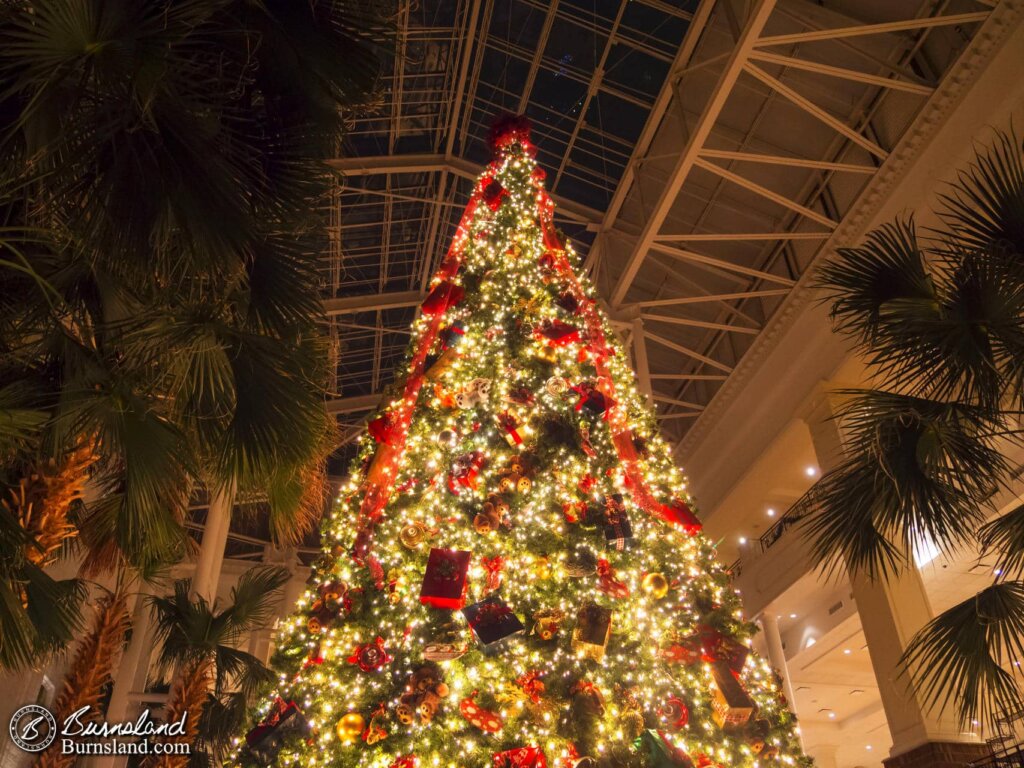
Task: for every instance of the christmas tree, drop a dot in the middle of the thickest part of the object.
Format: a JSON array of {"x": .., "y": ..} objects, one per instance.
[{"x": 513, "y": 575}]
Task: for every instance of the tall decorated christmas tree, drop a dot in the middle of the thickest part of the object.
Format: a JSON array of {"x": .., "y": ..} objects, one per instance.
[{"x": 514, "y": 575}]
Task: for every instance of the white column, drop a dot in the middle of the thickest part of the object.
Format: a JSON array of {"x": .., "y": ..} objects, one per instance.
[
  {"x": 777, "y": 658},
  {"x": 215, "y": 537},
  {"x": 891, "y": 612},
  {"x": 129, "y": 677},
  {"x": 777, "y": 654}
]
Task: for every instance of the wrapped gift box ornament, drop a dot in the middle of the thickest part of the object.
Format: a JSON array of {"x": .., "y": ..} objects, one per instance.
[
  {"x": 267, "y": 738},
  {"x": 732, "y": 706},
  {"x": 592, "y": 631},
  {"x": 444, "y": 583},
  {"x": 492, "y": 622}
]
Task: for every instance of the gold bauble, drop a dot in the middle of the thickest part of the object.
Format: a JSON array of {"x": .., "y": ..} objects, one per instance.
[
  {"x": 350, "y": 728},
  {"x": 542, "y": 568},
  {"x": 655, "y": 585},
  {"x": 413, "y": 535}
]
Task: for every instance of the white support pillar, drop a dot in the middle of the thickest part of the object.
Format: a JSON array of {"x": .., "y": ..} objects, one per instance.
[
  {"x": 134, "y": 665},
  {"x": 215, "y": 537},
  {"x": 891, "y": 613},
  {"x": 777, "y": 657},
  {"x": 643, "y": 371},
  {"x": 777, "y": 654}
]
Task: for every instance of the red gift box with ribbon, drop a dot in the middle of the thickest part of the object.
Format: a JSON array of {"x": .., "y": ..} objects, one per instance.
[{"x": 444, "y": 583}]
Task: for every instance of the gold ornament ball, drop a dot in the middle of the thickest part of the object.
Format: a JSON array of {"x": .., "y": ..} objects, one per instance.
[
  {"x": 350, "y": 728},
  {"x": 412, "y": 535},
  {"x": 542, "y": 568},
  {"x": 655, "y": 585}
]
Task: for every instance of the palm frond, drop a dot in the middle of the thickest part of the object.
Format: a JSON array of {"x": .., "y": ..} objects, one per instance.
[
  {"x": 985, "y": 205},
  {"x": 870, "y": 286},
  {"x": 21, "y": 418},
  {"x": 917, "y": 471},
  {"x": 253, "y": 599},
  {"x": 960, "y": 658},
  {"x": 238, "y": 670},
  {"x": 1004, "y": 537}
]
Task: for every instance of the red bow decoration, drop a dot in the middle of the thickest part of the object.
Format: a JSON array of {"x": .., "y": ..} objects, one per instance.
[
  {"x": 521, "y": 757},
  {"x": 559, "y": 334},
  {"x": 493, "y": 194},
  {"x": 370, "y": 656},
  {"x": 593, "y": 399},
  {"x": 609, "y": 583},
  {"x": 493, "y": 566},
  {"x": 383, "y": 428},
  {"x": 507, "y": 131},
  {"x": 409, "y": 761},
  {"x": 532, "y": 685},
  {"x": 679, "y": 513},
  {"x": 442, "y": 297}
]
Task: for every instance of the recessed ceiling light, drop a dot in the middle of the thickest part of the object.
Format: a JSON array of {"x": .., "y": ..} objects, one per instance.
[
  {"x": 811, "y": 471},
  {"x": 831, "y": 715},
  {"x": 743, "y": 540},
  {"x": 868, "y": 747},
  {"x": 847, "y": 651},
  {"x": 792, "y": 615},
  {"x": 771, "y": 512}
]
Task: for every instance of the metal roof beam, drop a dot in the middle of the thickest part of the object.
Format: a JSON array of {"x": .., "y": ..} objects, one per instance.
[
  {"x": 425, "y": 163},
  {"x": 349, "y": 305},
  {"x": 353, "y": 404},
  {"x": 908, "y": 25},
  {"x": 842, "y": 72},
  {"x": 759, "y": 14},
  {"x": 757, "y": 189},
  {"x": 700, "y": 258},
  {"x": 699, "y": 323},
  {"x": 687, "y": 351}
]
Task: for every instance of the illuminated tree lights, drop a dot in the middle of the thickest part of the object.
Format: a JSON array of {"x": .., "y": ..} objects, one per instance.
[{"x": 513, "y": 574}]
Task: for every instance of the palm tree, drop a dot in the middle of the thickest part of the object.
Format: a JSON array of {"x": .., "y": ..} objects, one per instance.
[
  {"x": 91, "y": 667},
  {"x": 208, "y": 672},
  {"x": 161, "y": 183},
  {"x": 941, "y": 320}
]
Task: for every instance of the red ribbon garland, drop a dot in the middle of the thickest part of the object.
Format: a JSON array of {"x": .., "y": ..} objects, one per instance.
[
  {"x": 379, "y": 481},
  {"x": 622, "y": 435}
]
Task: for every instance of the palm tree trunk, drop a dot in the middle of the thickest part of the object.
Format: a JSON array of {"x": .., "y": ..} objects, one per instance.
[
  {"x": 91, "y": 668},
  {"x": 188, "y": 697},
  {"x": 43, "y": 500}
]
